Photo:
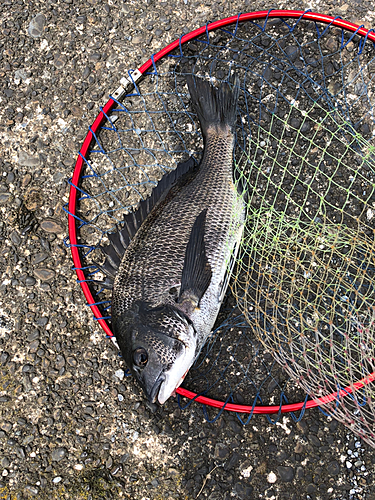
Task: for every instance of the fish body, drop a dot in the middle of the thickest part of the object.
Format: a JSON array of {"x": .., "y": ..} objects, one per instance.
[{"x": 173, "y": 274}]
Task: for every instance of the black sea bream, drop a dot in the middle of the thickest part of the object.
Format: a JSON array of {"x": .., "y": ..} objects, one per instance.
[{"x": 170, "y": 261}]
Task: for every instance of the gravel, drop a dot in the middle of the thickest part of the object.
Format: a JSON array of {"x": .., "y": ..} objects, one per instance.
[{"x": 72, "y": 424}]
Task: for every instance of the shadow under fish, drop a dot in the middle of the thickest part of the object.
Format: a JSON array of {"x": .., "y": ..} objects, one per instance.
[{"x": 169, "y": 264}]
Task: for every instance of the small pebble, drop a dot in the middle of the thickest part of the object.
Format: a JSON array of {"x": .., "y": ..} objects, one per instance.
[
  {"x": 30, "y": 281},
  {"x": 292, "y": 52},
  {"x": 117, "y": 469},
  {"x": 86, "y": 73},
  {"x": 27, "y": 160},
  {"x": 10, "y": 178},
  {"x": 58, "y": 177},
  {"x": 32, "y": 489},
  {"x": 39, "y": 257},
  {"x": 26, "y": 180},
  {"x": 242, "y": 491},
  {"x": 51, "y": 226},
  {"x": 45, "y": 287},
  {"x": 120, "y": 374},
  {"x": 5, "y": 197},
  {"x": 4, "y": 356},
  {"x": 333, "y": 468},
  {"x": 33, "y": 198},
  {"x": 59, "y": 61},
  {"x": 221, "y": 451},
  {"x": 58, "y": 454},
  {"x": 44, "y": 274},
  {"x": 20, "y": 74},
  {"x": 36, "y": 26},
  {"x": 272, "y": 478},
  {"x": 286, "y": 473},
  {"x": 138, "y": 39},
  {"x": 311, "y": 489},
  {"x": 272, "y": 385},
  {"x": 71, "y": 361},
  {"x": 77, "y": 112},
  {"x": 42, "y": 321}
]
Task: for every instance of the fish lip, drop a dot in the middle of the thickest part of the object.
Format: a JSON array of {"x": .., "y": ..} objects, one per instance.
[{"x": 152, "y": 397}]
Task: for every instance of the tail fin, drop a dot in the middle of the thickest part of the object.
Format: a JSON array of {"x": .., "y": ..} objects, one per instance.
[{"x": 214, "y": 106}]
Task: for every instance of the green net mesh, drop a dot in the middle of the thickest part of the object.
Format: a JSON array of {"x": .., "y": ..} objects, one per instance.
[{"x": 306, "y": 267}]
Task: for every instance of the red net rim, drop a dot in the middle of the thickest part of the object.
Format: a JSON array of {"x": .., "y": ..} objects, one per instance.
[{"x": 251, "y": 16}]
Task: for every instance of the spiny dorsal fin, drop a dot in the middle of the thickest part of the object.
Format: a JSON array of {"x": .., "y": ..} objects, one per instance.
[
  {"x": 117, "y": 242},
  {"x": 133, "y": 221},
  {"x": 111, "y": 256},
  {"x": 196, "y": 273},
  {"x": 120, "y": 239}
]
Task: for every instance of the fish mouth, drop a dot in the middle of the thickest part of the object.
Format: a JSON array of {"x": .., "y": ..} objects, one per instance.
[
  {"x": 167, "y": 392},
  {"x": 155, "y": 389}
]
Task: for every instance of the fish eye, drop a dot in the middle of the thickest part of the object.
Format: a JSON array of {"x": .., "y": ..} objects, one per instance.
[{"x": 140, "y": 357}]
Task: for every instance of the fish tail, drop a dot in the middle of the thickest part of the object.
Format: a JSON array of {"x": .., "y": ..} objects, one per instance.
[{"x": 215, "y": 106}]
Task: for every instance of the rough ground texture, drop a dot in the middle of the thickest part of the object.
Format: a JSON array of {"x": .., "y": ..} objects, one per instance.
[{"x": 71, "y": 424}]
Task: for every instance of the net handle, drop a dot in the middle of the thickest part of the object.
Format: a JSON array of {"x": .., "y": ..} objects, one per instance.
[{"x": 74, "y": 192}]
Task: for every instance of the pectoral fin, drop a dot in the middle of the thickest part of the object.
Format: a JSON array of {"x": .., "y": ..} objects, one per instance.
[{"x": 196, "y": 273}]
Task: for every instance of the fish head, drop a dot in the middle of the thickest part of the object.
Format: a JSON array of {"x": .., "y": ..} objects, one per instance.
[{"x": 160, "y": 350}]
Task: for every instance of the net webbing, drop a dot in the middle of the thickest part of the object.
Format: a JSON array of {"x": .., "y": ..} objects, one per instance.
[{"x": 304, "y": 149}]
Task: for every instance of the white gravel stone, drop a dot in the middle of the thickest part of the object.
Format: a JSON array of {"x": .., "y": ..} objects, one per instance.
[
  {"x": 272, "y": 478},
  {"x": 120, "y": 374}
]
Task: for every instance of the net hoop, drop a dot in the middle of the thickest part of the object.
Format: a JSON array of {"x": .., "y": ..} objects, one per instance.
[{"x": 74, "y": 191}]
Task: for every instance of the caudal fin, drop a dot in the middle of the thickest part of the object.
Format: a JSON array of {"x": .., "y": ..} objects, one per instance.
[{"x": 214, "y": 106}]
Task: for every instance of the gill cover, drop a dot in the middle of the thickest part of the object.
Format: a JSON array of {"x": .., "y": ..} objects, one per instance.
[{"x": 156, "y": 342}]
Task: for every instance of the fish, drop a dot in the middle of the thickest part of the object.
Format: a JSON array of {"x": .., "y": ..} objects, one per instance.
[{"x": 169, "y": 264}]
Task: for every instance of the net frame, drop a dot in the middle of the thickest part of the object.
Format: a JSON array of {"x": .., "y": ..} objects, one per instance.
[{"x": 126, "y": 84}]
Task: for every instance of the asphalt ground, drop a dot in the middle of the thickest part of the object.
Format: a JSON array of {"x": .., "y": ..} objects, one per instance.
[{"x": 71, "y": 425}]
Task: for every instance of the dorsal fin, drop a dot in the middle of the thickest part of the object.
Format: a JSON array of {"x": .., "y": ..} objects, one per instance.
[
  {"x": 120, "y": 239},
  {"x": 117, "y": 242}
]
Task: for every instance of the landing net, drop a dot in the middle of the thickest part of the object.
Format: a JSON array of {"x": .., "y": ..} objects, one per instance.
[{"x": 302, "y": 292}]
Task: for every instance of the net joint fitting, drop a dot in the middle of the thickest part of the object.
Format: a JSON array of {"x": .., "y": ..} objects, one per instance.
[{"x": 126, "y": 83}]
